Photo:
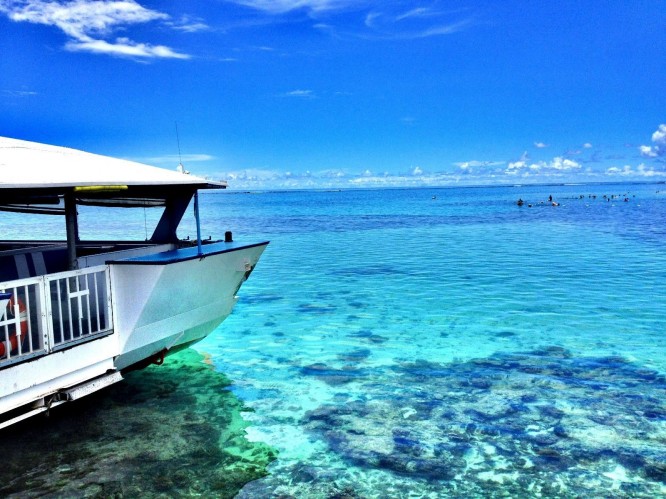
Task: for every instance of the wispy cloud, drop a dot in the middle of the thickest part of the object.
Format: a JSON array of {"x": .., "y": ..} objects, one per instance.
[
  {"x": 380, "y": 20},
  {"x": 413, "y": 24},
  {"x": 187, "y": 24},
  {"x": 301, "y": 94},
  {"x": 90, "y": 24},
  {"x": 313, "y": 6},
  {"x": 417, "y": 12},
  {"x": 174, "y": 159},
  {"x": 540, "y": 145},
  {"x": 19, "y": 93}
]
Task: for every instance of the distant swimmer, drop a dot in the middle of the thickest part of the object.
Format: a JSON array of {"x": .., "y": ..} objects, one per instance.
[
  {"x": 555, "y": 204},
  {"x": 520, "y": 202},
  {"x": 550, "y": 199}
]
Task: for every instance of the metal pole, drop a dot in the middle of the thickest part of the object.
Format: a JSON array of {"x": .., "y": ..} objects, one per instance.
[
  {"x": 196, "y": 217},
  {"x": 72, "y": 230}
]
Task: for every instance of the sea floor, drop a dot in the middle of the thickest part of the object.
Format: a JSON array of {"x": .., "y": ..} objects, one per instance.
[
  {"x": 534, "y": 424},
  {"x": 521, "y": 356},
  {"x": 167, "y": 431}
]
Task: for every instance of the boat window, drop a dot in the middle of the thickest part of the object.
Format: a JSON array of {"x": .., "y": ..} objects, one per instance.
[
  {"x": 110, "y": 223},
  {"x": 32, "y": 226}
]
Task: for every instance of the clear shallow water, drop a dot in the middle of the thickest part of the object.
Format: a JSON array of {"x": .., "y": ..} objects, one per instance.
[
  {"x": 445, "y": 342},
  {"x": 167, "y": 431},
  {"x": 357, "y": 336}
]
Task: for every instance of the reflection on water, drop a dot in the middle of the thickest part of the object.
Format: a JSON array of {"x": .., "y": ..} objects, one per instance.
[{"x": 167, "y": 431}]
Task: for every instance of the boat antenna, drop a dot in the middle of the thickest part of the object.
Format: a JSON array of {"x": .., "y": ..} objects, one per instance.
[
  {"x": 178, "y": 142},
  {"x": 181, "y": 168}
]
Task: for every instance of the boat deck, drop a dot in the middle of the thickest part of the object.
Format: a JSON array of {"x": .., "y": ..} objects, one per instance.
[{"x": 184, "y": 254}]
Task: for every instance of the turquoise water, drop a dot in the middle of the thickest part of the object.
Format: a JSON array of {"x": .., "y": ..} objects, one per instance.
[
  {"x": 419, "y": 343},
  {"x": 444, "y": 342}
]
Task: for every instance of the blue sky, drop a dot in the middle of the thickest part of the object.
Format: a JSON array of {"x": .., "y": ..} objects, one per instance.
[{"x": 345, "y": 93}]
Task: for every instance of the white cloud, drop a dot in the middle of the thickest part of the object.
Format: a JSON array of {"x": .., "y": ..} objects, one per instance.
[
  {"x": 540, "y": 145},
  {"x": 385, "y": 20},
  {"x": 370, "y": 19},
  {"x": 649, "y": 152},
  {"x": 659, "y": 149},
  {"x": 587, "y": 145},
  {"x": 190, "y": 25},
  {"x": 466, "y": 165},
  {"x": 513, "y": 166},
  {"x": 89, "y": 24},
  {"x": 252, "y": 175},
  {"x": 614, "y": 170},
  {"x": 283, "y": 6},
  {"x": 259, "y": 178},
  {"x": 641, "y": 171},
  {"x": 417, "y": 12},
  {"x": 558, "y": 164},
  {"x": 563, "y": 164},
  {"x": 19, "y": 93},
  {"x": 175, "y": 159},
  {"x": 438, "y": 30},
  {"x": 123, "y": 47},
  {"x": 303, "y": 94},
  {"x": 332, "y": 174}
]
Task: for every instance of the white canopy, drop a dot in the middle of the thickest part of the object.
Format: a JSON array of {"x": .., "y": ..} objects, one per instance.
[{"x": 33, "y": 165}]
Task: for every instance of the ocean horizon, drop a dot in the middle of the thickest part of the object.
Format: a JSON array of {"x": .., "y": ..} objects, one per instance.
[{"x": 231, "y": 190}]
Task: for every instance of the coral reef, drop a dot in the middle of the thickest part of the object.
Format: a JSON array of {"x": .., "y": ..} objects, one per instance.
[{"x": 537, "y": 423}]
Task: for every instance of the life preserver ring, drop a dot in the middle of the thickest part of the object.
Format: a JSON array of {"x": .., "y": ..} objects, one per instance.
[{"x": 17, "y": 336}]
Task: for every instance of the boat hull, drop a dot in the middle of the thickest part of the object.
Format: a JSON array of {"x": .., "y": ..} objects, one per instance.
[
  {"x": 150, "y": 306},
  {"x": 158, "y": 307}
]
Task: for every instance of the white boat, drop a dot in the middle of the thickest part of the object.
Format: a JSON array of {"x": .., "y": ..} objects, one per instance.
[{"x": 76, "y": 314}]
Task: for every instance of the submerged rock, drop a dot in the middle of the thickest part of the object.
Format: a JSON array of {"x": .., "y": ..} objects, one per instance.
[
  {"x": 542, "y": 422},
  {"x": 170, "y": 430},
  {"x": 331, "y": 375}
]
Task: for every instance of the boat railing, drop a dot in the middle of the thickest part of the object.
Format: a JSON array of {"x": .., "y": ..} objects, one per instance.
[{"x": 54, "y": 311}]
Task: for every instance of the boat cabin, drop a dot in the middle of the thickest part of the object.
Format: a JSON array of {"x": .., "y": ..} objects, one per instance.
[{"x": 75, "y": 313}]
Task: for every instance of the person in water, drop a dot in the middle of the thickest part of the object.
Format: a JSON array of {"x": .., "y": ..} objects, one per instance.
[{"x": 520, "y": 202}]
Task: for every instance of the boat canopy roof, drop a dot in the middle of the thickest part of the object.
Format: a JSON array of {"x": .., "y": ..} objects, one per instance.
[{"x": 34, "y": 173}]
